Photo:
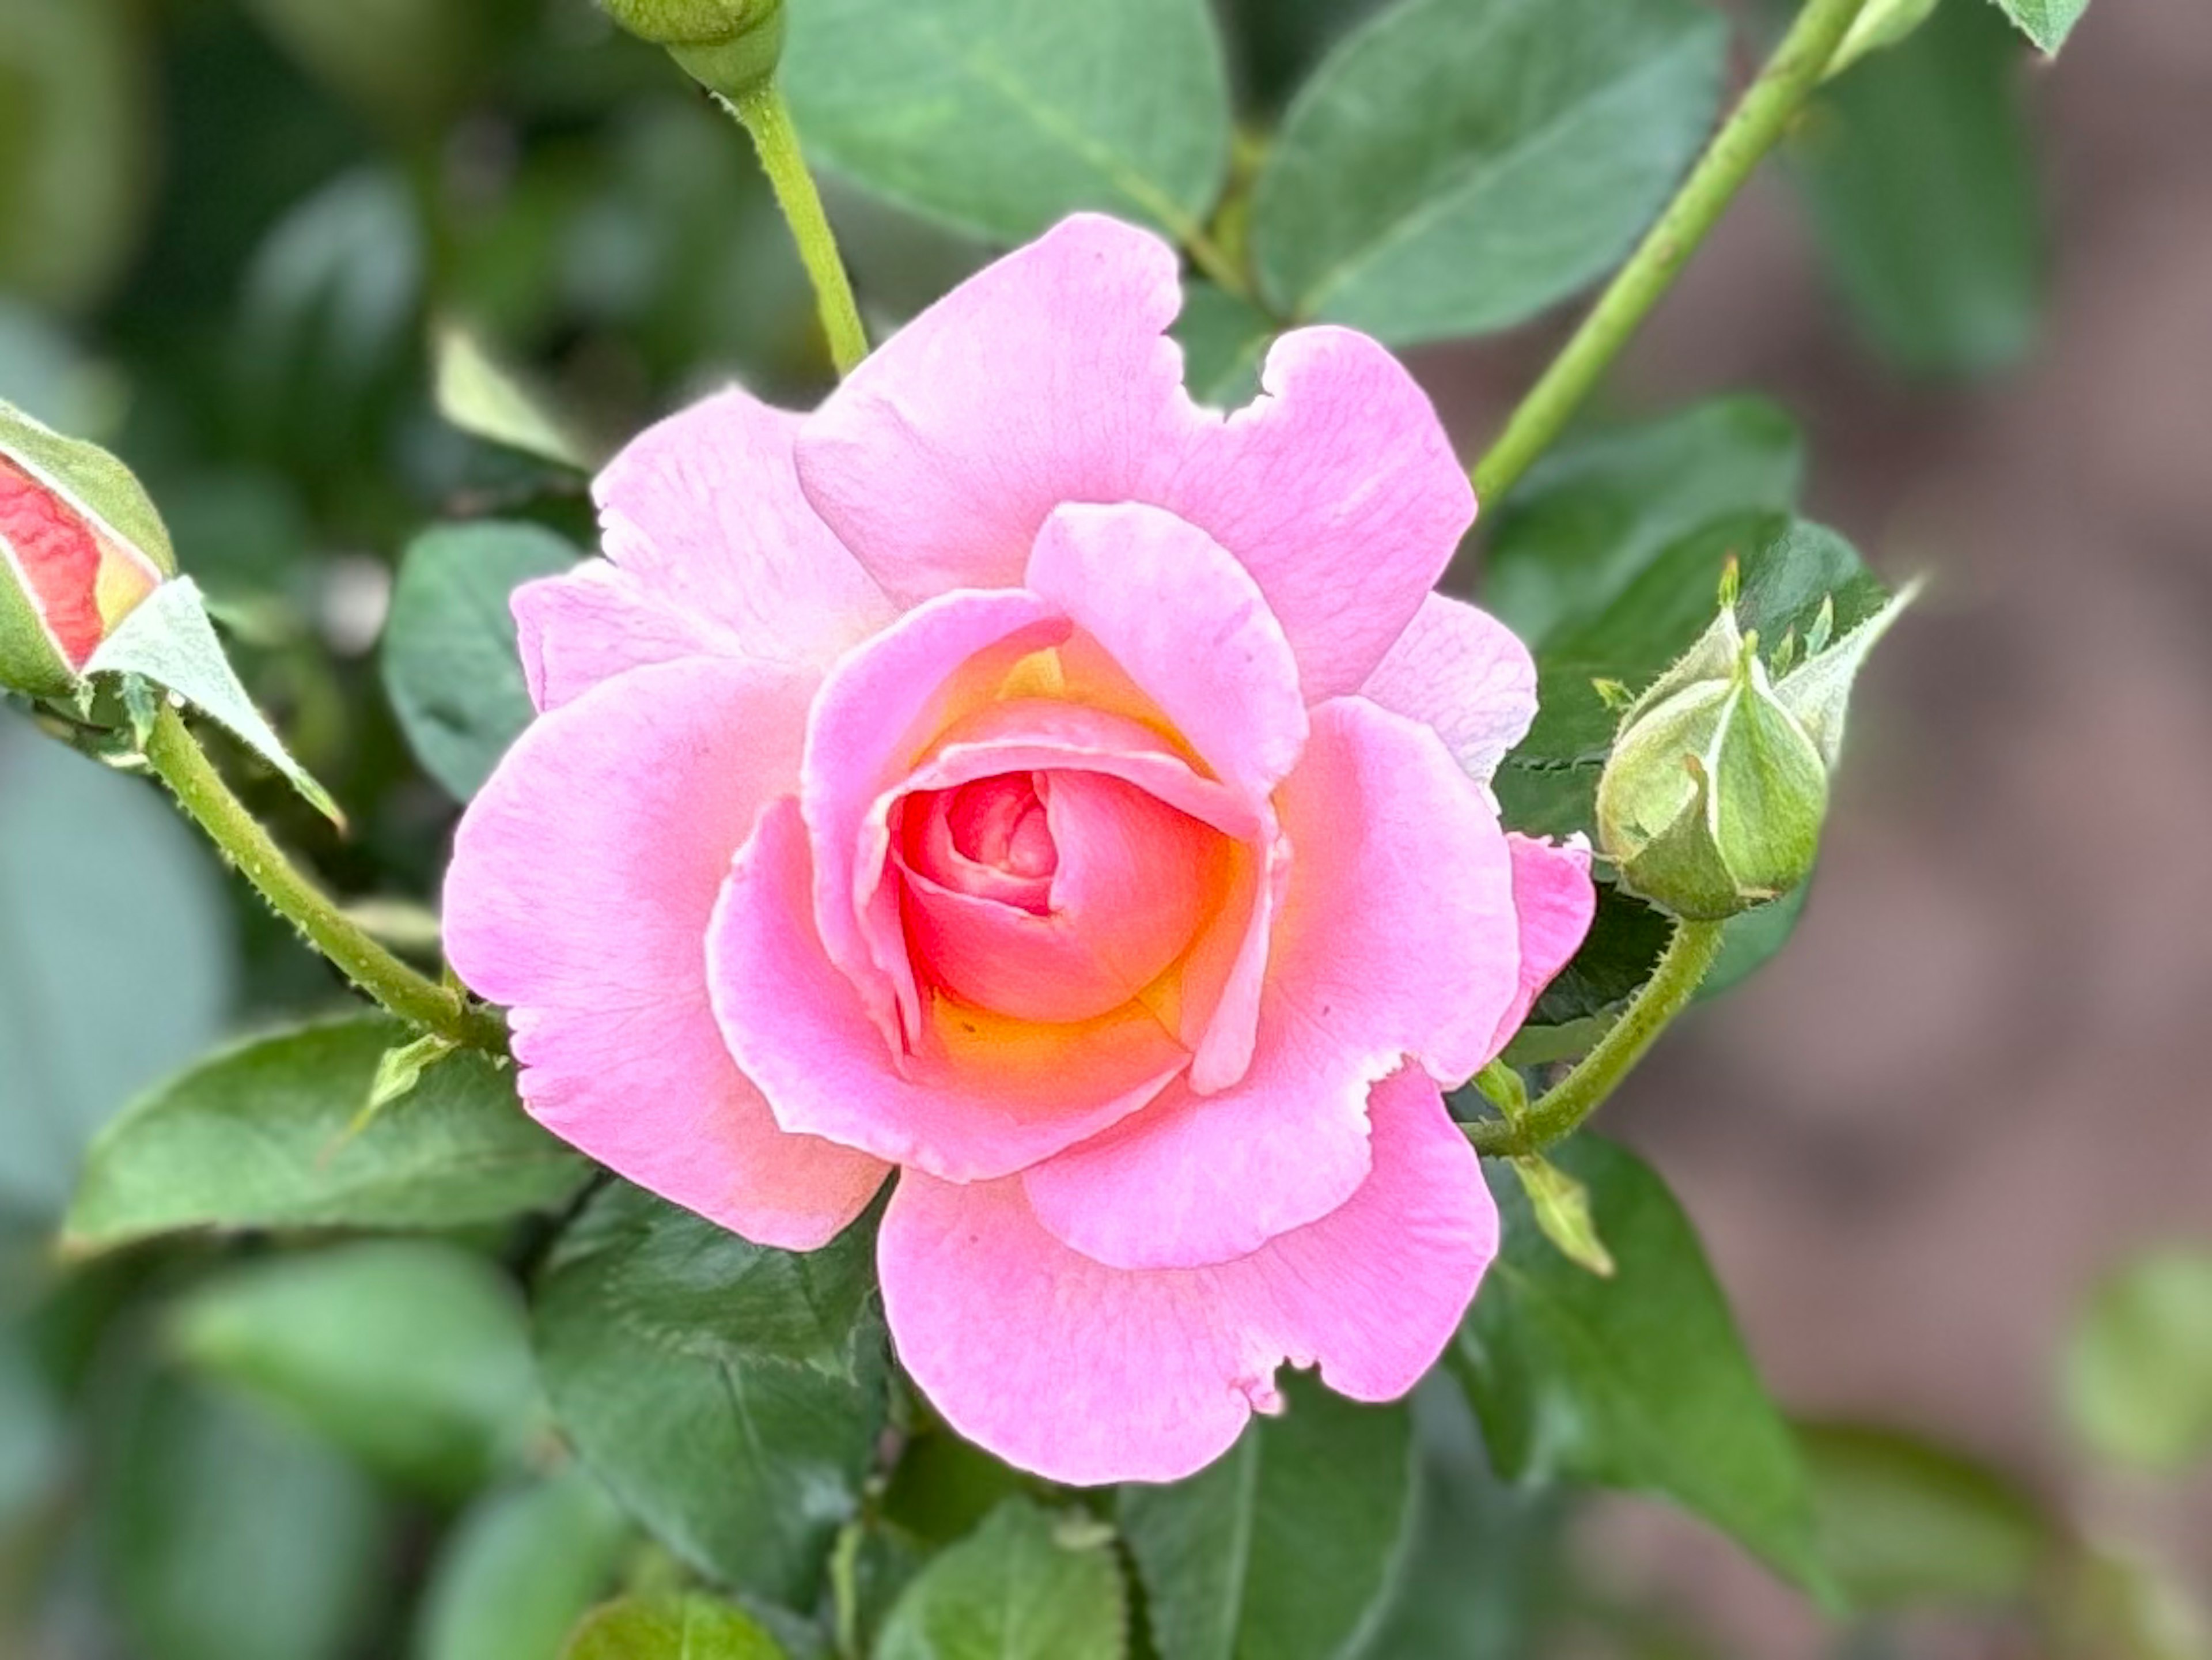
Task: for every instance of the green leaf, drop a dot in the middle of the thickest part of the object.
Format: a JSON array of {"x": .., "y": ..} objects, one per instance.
[
  {"x": 2138, "y": 1368},
  {"x": 412, "y": 1356},
  {"x": 729, "y": 1395},
  {"x": 488, "y": 399},
  {"x": 1224, "y": 340},
  {"x": 116, "y": 958},
  {"x": 1639, "y": 1382},
  {"x": 258, "y": 1136},
  {"x": 677, "y": 1628},
  {"x": 1594, "y": 515},
  {"x": 33, "y": 1431},
  {"x": 1905, "y": 1524},
  {"x": 227, "y": 1536},
  {"x": 169, "y": 639},
  {"x": 1000, "y": 116},
  {"x": 450, "y": 666},
  {"x": 1456, "y": 165},
  {"x": 2046, "y": 23},
  {"x": 1919, "y": 172},
  {"x": 1548, "y": 784},
  {"x": 1285, "y": 1548},
  {"x": 521, "y": 1567},
  {"x": 1026, "y": 1585}
]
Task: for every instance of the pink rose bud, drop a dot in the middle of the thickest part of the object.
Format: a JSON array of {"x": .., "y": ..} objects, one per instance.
[{"x": 80, "y": 545}]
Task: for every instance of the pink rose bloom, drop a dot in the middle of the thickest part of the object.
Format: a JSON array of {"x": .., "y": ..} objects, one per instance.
[{"x": 1018, "y": 777}]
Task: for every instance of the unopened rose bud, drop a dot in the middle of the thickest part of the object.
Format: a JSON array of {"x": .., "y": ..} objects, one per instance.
[
  {"x": 729, "y": 46},
  {"x": 1713, "y": 799},
  {"x": 80, "y": 545}
]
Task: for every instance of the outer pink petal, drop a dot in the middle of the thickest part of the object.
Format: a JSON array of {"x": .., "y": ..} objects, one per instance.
[
  {"x": 583, "y": 879},
  {"x": 1188, "y": 624},
  {"x": 1556, "y": 900},
  {"x": 1085, "y": 1373},
  {"x": 704, "y": 510},
  {"x": 590, "y": 625},
  {"x": 1046, "y": 377},
  {"x": 1464, "y": 672},
  {"x": 1396, "y": 938},
  {"x": 876, "y": 715},
  {"x": 1337, "y": 491},
  {"x": 798, "y": 1027}
]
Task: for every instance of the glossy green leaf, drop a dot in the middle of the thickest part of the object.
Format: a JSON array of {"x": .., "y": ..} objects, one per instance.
[
  {"x": 2046, "y": 23},
  {"x": 228, "y": 1536},
  {"x": 116, "y": 958},
  {"x": 261, "y": 1136},
  {"x": 1903, "y": 1524},
  {"x": 1224, "y": 340},
  {"x": 521, "y": 1569},
  {"x": 729, "y": 1395},
  {"x": 1456, "y": 165},
  {"x": 1028, "y": 1584},
  {"x": 1285, "y": 1547},
  {"x": 450, "y": 666},
  {"x": 412, "y": 1356},
  {"x": 1919, "y": 172},
  {"x": 2138, "y": 1367},
  {"x": 674, "y": 1628},
  {"x": 1639, "y": 1382},
  {"x": 1000, "y": 116}
]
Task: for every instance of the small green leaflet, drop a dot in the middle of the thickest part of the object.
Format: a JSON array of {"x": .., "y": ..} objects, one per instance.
[
  {"x": 1029, "y": 1584},
  {"x": 2046, "y": 23}
]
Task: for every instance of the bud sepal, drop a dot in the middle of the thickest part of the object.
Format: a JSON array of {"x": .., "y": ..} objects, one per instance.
[{"x": 729, "y": 46}]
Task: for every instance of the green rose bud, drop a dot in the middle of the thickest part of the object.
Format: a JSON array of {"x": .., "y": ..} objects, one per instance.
[
  {"x": 729, "y": 46},
  {"x": 1713, "y": 799},
  {"x": 80, "y": 548}
]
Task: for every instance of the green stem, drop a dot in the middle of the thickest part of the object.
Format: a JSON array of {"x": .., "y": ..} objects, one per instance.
[
  {"x": 765, "y": 114},
  {"x": 176, "y": 757},
  {"x": 1561, "y": 1109},
  {"x": 1758, "y": 121}
]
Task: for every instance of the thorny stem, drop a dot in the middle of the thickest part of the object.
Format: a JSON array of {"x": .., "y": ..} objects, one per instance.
[
  {"x": 1560, "y": 1110},
  {"x": 176, "y": 758},
  {"x": 1758, "y": 120},
  {"x": 765, "y": 114}
]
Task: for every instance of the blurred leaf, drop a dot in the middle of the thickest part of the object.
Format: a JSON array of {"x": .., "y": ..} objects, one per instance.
[
  {"x": 1223, "y": 341},
  {"x": 257, "y": 1136},
  {"x": 1283, "y": 1548},
  {"x": 1748, "y": 941},
  {"x": 450, "y": 666},
  {"x": 116, "y": 958},
  {"x": 1920, "y": 177},
  {"x": 1456, "y": 165},
  {"x": 521, "y": 1569},
  {"x": 2138, "y": 1366},
  {"x": 229, "y": 1536},
  {"x": 1483, "y": 1562},
  {"x": 408, "y": 63},
  {"x": 2046, "y": 23},
  {"x": 1905, "y": 1524},
  {"x": 729, "y": 1395},
  {"x": 1026, "y": 1585},
  {"x": 1594, "y": 513},
  {"x": 945, "y": 1486},
  {"x": 33, "y": 1431},
  {"x": 411, "y": 1356},
  {"x": 1547, "y": 785},
  {"x": 2123, "y": 1606},
  {"x": 676, "y": 1628},
  {"x": 1639, "y": 1382},
  {"x": 169, "y": 639},
  {"x": 1280, "y": 40},
  {"x": 77, "y": 133},
  {"x": 1000, "y": 116},
  {"x": 489, "y": 399}
]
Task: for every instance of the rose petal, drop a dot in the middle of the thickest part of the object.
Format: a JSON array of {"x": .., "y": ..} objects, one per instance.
[
  {"x": 981, "y": 1096},
  {"x": 1396, "y": 938},
  {"x": 595, "y": 622},
  {"x": 1556, "y": 902},
  {"x": 1465, "y": 673},
  {"x": 583, "y": 878},
  {"x": 1084, "y": 1373},
  {"x": 1046, "y": 379}
]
